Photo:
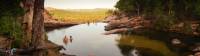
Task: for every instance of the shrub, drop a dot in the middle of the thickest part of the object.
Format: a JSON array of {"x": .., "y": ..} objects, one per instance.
[
  {"x": 10, "y": 26},
  {"x": 164, "y": 22}
]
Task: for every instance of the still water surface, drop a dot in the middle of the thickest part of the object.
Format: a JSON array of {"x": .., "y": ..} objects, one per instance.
[{"x": 89, "y": 40}]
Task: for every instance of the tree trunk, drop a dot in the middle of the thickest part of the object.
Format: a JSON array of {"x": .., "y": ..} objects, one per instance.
[
  {"x": 38, "y": 38},
  {"x": 27, "y": 22}
]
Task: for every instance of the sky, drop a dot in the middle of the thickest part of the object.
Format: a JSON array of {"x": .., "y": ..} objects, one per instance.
[{"x": 80, "y": 4}]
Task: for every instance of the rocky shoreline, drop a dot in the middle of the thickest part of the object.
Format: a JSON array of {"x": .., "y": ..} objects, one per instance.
[
  {"x": 51, "y": 23},
  {"x": 139, "y": 25},
  {"x": 125, "y": 24}
]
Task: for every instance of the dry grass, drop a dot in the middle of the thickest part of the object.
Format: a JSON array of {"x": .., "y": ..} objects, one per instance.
[{"x": 79, "y": 15}]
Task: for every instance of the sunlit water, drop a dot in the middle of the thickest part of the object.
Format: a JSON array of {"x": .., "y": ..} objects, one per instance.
[{"x": 89, "y": 40}]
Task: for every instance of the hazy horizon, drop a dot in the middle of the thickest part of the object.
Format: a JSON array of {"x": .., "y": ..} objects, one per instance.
[
  {"x": 80, "y": 4},
  {"x": 76, "y": 8}
]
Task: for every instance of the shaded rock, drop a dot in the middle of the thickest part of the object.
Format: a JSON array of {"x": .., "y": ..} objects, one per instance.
[
  {"x": 116, "y": 31},
  {"x": 176, "y": 41},
  {"x": 5, "y": 42},
  {"x": 115, "y": 26},
  {"x": 110, "y": 18},
  {"x": 197, "y": 54}
]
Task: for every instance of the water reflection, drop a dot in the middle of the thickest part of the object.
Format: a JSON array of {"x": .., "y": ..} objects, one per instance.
[
  {"x": 145, "y": 46},
  {"x": 89, "y": 41},
  {"x": 164, "y": 44},
  {"x": 127, "y": 50}
]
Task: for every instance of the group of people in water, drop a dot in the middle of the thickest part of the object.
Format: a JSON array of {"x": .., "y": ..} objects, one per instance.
[{"x": 67, "y": 40}]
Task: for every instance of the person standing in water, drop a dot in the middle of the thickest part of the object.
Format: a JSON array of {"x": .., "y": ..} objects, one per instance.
[
  {"x": 71, "y": 39},
  {"x": 66, "y": 39}
]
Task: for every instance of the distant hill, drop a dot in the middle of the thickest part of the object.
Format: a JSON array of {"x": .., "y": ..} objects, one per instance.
[
  {"x": 49, "y": 8},
  {"x": 47, "y": 16},
  {"x": 52, "y": 23},
  {"x": 78, "y": 15}
]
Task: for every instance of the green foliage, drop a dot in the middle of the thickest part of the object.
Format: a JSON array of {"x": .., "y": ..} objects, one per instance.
[
  {"x": 10, "y": 26},
  {"x": 114, "y": 12},
  {"x": 187, "y": 28},
  {"x": 126, "y": 5},
  {"x": 164, "y": 13},
  {"x": 7, "y": 24},
  {"x": 181, "y": 9},
  {"x": 140, "y": 6},
  {"x": 110, "y": 12},
  {"x": 10, "y": 7},
  {"x": 196, "y": 10},
  {"x": 9, "y": 21},
  {"x": 164, "y": 22}
]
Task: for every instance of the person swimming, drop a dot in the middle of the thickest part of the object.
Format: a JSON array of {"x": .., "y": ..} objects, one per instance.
[
  {"x": 66, "y": 39},
  {"x": 71, "y": 39}
]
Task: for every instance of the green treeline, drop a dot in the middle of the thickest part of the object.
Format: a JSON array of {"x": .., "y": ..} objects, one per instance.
[
  {"x": 180, "y": 9},
  {"x": 10, "y": 13},
  {"x": 163, "y": 13}
]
